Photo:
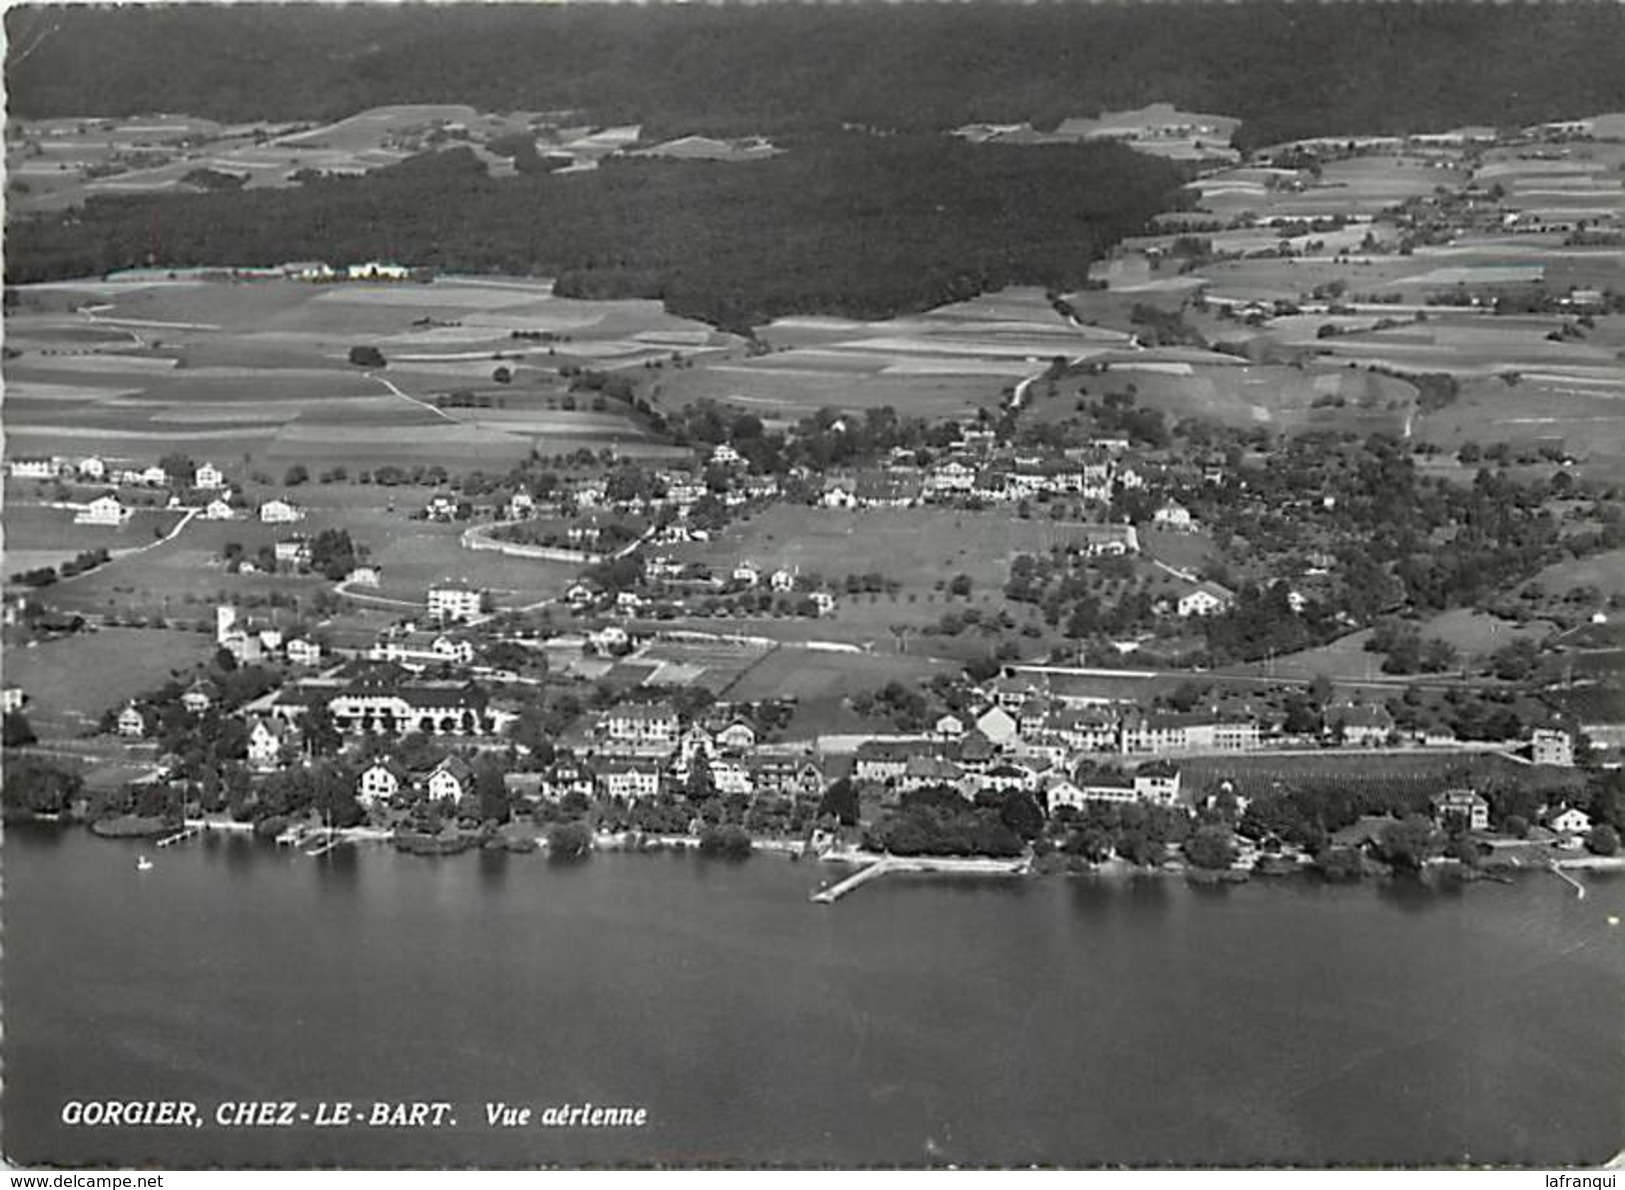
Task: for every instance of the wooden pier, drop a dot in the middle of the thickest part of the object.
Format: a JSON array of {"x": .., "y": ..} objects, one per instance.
[
  {"x": 1579, "y": 889},
  {"x": 180, "y": 836},
  {"x": 828, "y": 896}
]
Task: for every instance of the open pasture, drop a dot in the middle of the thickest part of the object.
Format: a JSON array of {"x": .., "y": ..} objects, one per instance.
[
  {"x": 1475, "y": 635},
  {"x": 783, "y": 393},
  {"x": 72, "y": 680},
  {"x": 807, "y": 675},
  {"x": 1586, "y": 417},
  {"x": 1604, "y": 572},
  {"x": 38, "y": 536},
  {"x": 261, "y": 366},
  {"x": 1245, "y": 395},
  {"x": 918, "y": 547}
]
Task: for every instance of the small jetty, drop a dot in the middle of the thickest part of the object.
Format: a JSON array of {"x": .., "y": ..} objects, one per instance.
[
  {"x": 180, "y": 836},
  {"x": 324, "y": 844},
  {"x": 946, "y": 865},
  {"x": 828, "y": 896},
  {"x": 1579, "y": 889}
]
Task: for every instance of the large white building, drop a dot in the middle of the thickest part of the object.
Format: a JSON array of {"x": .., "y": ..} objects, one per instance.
[{"x": 450, "y": 604}]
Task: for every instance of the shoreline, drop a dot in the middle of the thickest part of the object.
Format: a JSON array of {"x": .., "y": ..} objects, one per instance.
[{"x": 859, "y": 859}]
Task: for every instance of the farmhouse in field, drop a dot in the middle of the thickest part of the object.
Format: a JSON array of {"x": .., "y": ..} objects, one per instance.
[
  {"x": 105, "y": 509},
  {"x": 132, "y": 722},
  {"x": 208, "y": 477},
  {"x": 1205, "y": 599},
  {"x": 280, "y": 512}
]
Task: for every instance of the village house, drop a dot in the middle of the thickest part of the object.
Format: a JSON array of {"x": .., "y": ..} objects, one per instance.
[
  {"x": 1571, "y": 820},
  {"x": 375, "y": 270},
  {"x": 731, "y": 775},
  {"x": 32, "y": 468},
  {"x": 208, "y": 477},
  {"x": 746, "y": 574},
  {"x": 12, "y": 698},
  {"x": 823, "y": 602},
  {"x": 1085, "y": 729},
  {"x": 105, "y": 509},
  {"x": 952, "y": 478},
  {"x": 450, "y": 781},
  {"x": 155, "y": 476},
  {"x": 1551, "y": 746},
  {"x": 1157, "y": 783},
  {"x": 975, "y": 753},
  {"x": 363, "y": 576},
  {"x": 1032, "y": 718},
  {"x": 725, "y": 456},
  {"x": 218, "y": 509},
  {"x": 422, "y": 648},
  {"x": 200, "y": 696},
  {"x": 381, "y": 781},
  {"x": 302, "y": 650},
  {"x": 449, "y": 603},
  {"x": 612, "y": 638},
  {"x": 441, "y": 507},
  {"x": 521, "y": 505},
  {"x": 92, "y": 467},
  {"x": 132, "y": 722},
  {"x": 950, "y": 727},
  {"x": 628, "y": 779},
  {"x": 1464, "y": 805},
  {"x": 1360, "y": 724},
  {"x": 782, "y": 580},
  {"x": 266, "y": 739},
  {"x": 884, "y": 761},
  {"x": 923, "y": 771},
  {"x": 1060, "y": 791},
  {"x": 641, "y": 725},
  {"x": 738, "y": 736},
  {"x": 567, "y": 776},
  {"x": 787, "y": 776},
  {"x": 1008, "y": 776},
  {"x": 293, "y": 551},
  {"x": 1175, "y": 516},
  {"x": 1106, "y": 787},
  {"x": 280, "y": 512},
  {"x": 1011, "y": 692},
  {"x": 1205, "y": 599}
]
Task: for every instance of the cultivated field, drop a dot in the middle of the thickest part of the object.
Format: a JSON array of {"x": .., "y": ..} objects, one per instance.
[
  {"x": 946, "y": 363},
  {"x": 260, "y": 367}
]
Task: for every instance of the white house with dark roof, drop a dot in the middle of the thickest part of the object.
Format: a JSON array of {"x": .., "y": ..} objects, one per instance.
[
  {"x": 1205, "y": 599},
  {"x": 280, "y": 512},
  {"x": 449, "y": 781},
  {"x": 379, "y": 782},
  {"x": 106, "y": 509},
  {"x": 1571, "y": 820},
  {"x": 644, "y": 725}
]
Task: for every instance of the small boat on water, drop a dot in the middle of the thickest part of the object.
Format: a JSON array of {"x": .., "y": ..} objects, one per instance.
[{"x": 143, "y": 864}]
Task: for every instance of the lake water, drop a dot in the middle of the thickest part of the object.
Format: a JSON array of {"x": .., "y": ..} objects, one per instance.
[{"x": 1071, "y": 1021}]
